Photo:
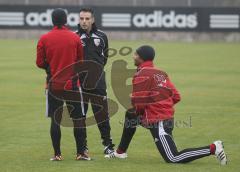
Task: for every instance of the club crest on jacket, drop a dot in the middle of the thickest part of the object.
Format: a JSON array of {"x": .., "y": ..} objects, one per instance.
[{"x": 97, "y": 42}]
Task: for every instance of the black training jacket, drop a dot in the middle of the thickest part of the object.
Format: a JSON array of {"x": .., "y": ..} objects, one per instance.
[{"x": 95, "y": 46}]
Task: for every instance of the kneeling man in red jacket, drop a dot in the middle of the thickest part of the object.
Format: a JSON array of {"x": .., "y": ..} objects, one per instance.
[{"x": 153, "y": 98}]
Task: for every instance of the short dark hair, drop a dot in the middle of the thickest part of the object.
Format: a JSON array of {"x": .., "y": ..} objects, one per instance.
[
  {"x": 59, "y": 17},
  {"x": 87, "y": 9}
]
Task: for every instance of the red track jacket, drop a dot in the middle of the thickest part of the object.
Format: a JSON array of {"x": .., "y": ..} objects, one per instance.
[
  {"x": 153, "y": 95},
  {"x": 58, "y": 49}
]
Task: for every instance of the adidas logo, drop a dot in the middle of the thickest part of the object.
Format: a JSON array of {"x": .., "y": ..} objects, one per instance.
[{"x": 159, "y": 19}]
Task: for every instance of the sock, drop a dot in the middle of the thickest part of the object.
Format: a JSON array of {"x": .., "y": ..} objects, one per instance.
[
  {"x": 55, "y": 133},
  {"x": 80, "y": 136},
  {"x": 119, "y": 151},
  {"x": 212, "y": 148}
]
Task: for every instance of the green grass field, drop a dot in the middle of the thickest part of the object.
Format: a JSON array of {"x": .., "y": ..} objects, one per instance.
[{"x": 206, "y": 74}]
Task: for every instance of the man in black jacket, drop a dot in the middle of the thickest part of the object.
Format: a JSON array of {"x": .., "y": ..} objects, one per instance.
[{"x": 95, "y": 44}]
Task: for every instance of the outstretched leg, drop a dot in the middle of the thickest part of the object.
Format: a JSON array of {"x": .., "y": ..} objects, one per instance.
[{"x": 167, "y": 148}]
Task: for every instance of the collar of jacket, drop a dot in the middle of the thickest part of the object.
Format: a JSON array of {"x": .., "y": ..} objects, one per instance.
[
  {"x": 81, "y": 31},
  {"x": 62, "y": 28},
  {"x": 145, "y": 64}
]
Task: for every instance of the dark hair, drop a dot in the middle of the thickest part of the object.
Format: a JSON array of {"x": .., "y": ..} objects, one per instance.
[
  {"x": 59, "y": 17},
  {"x": 87, "y": 9}
]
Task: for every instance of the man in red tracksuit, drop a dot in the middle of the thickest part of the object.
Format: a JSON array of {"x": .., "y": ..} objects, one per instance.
[
  {"x": 153, "y": 99},
  {"x": 57, "y": 52}
]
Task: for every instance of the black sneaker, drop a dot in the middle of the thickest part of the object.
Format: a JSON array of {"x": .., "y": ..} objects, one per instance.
[{"x": 109, "y": 151}]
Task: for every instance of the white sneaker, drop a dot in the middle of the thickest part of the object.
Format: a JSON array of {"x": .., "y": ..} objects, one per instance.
[
  {"x": 121, "y": 156},
  {"x": 117, "y": 155},
  {"x": 219, "y": 152},
  {"x": 109, "y": 151}
]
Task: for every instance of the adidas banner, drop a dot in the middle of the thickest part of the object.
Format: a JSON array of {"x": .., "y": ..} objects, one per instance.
[{"x": 127, "y": 18}]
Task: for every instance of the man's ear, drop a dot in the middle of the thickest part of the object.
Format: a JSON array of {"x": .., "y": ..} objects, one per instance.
[{"x": 93, "y": 20}]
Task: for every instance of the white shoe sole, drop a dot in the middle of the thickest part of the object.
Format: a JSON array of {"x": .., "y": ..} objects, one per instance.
[
  {"x": 116, "y": 155},
  {"x": 121, "y": 156},
  {"x": 220, "y": 154}
]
